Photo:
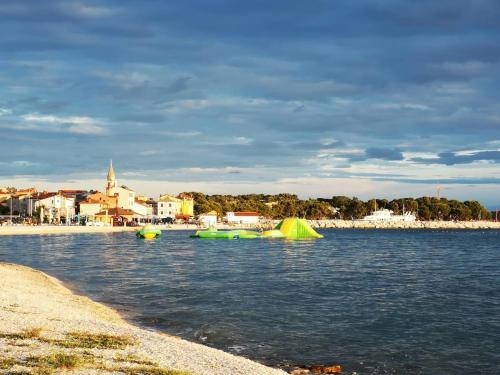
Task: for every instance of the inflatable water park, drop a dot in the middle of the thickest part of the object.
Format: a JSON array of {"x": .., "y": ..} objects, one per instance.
[
  {"x": 147, "y": 232},
  {"x": 290, "y": 228}
]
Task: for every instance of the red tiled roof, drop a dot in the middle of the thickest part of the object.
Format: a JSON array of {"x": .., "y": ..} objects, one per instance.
[
  {"x": 44, "y": 195},
  {"x": 246, "y": 213},
  {"x": 116, "y": 212}
]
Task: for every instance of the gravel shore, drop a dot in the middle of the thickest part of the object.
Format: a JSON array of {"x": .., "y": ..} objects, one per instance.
[{"x": 45, "y": 328}]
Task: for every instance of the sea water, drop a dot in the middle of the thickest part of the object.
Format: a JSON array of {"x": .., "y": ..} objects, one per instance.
[{"x": 373, "y": 301}]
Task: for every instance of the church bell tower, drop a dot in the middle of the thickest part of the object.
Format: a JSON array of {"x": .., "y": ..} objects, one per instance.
[{"x": 111, "y": 178}]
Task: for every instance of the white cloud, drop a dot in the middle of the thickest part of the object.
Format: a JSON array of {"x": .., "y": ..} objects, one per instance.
[
  {"x": 191, "y": 133},
  {"x": 224, "y": 170},
  {"x": 472, "y": 152},
  {"x": 71, "y": 124},
  {"x": 124, "y": 79},
  {"x": 413, "y": 106},
  {"x": 150, "y": 152},
  {"x": 87, "y": 11},
  {"x": 426, "y": 155},
  {"x": 226, "y": 141}
]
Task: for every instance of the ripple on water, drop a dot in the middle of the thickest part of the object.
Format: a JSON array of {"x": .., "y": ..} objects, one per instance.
[{"x": 374, "y": 301}]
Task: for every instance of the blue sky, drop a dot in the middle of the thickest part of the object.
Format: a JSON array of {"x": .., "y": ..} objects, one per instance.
[{"x": 318, "y": 98}]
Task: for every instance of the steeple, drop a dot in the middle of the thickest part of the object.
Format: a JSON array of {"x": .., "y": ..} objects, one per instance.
[{"x": 111, "y": 176}]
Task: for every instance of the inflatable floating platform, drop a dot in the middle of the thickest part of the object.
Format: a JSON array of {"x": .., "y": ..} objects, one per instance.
[
  {"x": 147, "y": 232},
  {"x": 290, "y": 228}
]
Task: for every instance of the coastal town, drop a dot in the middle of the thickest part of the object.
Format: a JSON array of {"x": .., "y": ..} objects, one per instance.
[
  {"x": 120, "y": 206},
  {"x": 116, "y": 205},
  {"x": 249, "y": 188}
]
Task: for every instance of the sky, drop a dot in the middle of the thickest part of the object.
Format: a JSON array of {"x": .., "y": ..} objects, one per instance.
[{"x": 318, "y": 98}]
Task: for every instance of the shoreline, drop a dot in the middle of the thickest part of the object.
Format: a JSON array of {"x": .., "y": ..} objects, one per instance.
[
  {"x": 33, "y": 325},
  {"x": 13, "y": 230}
]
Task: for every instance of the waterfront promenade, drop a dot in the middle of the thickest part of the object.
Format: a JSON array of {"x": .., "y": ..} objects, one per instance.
[{"x": 87, "y": 337}]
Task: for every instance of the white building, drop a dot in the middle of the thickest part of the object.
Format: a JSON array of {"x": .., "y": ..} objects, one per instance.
[
  {"x": 54, "y": 206},
  {"x": 242, "y": 217},
  {"x": 142, "y": 209},
  {"x": 209, "y": 219},
  {"x": 168, "y": 207}
]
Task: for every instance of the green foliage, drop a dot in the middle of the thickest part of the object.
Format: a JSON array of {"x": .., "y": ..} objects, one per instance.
[
  {"x": 92, "y": 340},
  {"x": 340, "y": 207},
  {"x": 270, "y": 206},
  {"x": 56, "y": 363},
  {"x": 425, "y": 208}
]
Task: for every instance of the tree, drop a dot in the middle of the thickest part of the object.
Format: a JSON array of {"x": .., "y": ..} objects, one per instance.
[
  {"x": 341, "y": 203},
  {"x": 424, "y": 213},
  {"x": 371, "y": 205},
  {"x": 356, "y": 209}
]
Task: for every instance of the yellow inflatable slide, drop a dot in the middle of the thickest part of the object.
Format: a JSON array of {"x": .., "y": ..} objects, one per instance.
[{"x": 296, "y": 229}]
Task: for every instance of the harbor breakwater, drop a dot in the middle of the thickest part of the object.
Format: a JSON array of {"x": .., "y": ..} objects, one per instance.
[{"x": 360, "y": 224}]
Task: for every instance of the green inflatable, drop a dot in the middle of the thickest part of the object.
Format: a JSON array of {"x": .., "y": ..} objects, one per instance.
[
  {"x": 290, "y": 228},
  {"x": 297, "y": 229},
  {"x": 147, "y": 232},
  {"x": 216, "y": 234},
  {"x": 246, "y": 234}
]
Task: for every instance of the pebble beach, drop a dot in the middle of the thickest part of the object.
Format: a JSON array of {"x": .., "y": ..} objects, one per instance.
[{"x": 46, "y": 328}]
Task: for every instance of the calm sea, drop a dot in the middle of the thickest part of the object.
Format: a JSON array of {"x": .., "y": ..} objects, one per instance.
[{"x": 373, "y": 301}]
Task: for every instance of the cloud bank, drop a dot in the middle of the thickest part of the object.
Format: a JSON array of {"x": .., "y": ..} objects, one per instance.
[{"x": 271, "y": 91}]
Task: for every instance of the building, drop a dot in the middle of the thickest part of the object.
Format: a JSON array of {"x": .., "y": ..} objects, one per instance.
[
  {"x": 180, "y": 207},
  {"x": 209, "y": 219},
  {"x": 54, "y": 207},
  {"x": 96, "y": 203},
  {"x": 244, "y": 217},
  {"x": 114, "y": 216},
  {"x": 125, "y": 196},
  {"x": 20, "y": 202},
  {"x": 78, "y": 195},
  {"x": 118, "y": 202},
  {"x": 187, "y": 206},
  {"x": 168, "y": 207}
]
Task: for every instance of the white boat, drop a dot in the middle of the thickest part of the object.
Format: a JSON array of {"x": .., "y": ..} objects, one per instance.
[{"x": 388, "y": 215}]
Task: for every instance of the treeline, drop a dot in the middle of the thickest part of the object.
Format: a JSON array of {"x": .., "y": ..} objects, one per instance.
[
  {"x": 425, "y": 208},
  {"x": 271, "y": 206},
  {"x": 338, "y": 207}
]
